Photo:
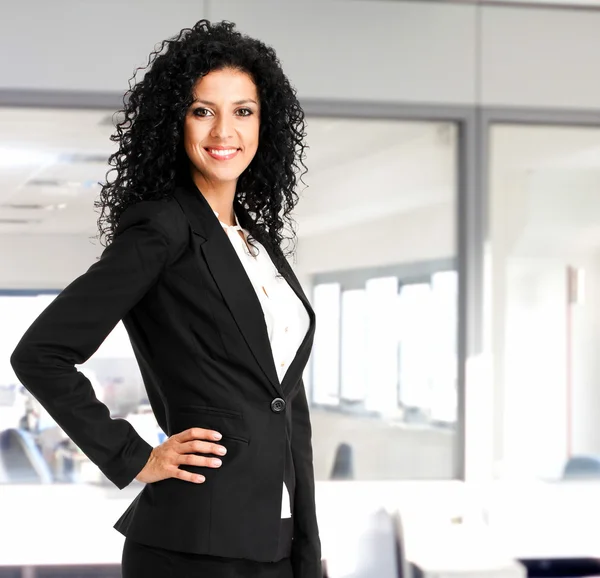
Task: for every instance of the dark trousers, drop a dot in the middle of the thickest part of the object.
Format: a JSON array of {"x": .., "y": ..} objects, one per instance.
[{"x": 141, "y": 561}]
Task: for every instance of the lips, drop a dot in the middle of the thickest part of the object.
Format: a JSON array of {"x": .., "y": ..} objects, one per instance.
[{"x": 221, "y": 154}]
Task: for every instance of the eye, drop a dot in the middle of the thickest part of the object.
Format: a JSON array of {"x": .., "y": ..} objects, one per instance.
[
  {"x": 200, "y": 109},
  {"x": 248, "y": 110}
]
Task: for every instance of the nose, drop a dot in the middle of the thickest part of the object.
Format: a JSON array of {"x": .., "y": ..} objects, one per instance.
[{"x": 222, "y": 127}]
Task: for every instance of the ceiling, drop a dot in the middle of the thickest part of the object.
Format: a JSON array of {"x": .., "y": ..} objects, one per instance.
[{"x": 50, "y": 162}]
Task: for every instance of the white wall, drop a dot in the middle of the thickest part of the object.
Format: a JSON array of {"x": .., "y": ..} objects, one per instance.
[
  {"x": 337, "y": 49},
  {"x": 548, "y": 410},
  {"x": 421, "y": 52},
  {"x": 370, "y": 50},
  {"x": 89, "y": 46},
  {"x": 585, "y": 433},
  {"x": 540, "y": 57},
  {"x": 418, "y": 235},
  {"x": 535, "y": 390}
]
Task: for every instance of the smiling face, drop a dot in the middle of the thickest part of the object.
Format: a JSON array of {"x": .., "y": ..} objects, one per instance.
[{"x": 221, "y": 129}]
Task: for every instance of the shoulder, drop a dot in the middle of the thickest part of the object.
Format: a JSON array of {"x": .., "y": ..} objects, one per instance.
[
  {"x": 164, "y": 215},
  {"x": 157, "y": 218}
]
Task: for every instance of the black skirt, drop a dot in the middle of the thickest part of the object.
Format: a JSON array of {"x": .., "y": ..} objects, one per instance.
[{"x": 142, "y": 561}]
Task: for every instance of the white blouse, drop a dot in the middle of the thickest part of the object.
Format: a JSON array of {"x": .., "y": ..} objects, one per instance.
[{"x": 286, "y": 317}]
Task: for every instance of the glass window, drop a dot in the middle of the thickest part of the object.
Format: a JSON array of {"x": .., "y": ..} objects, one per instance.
[
  {"x": 326, "y": 355},
  {"x": 377, "y": 247},
  {"x": 353, "y": 346},
  {"x": 545, "y": 264},
  {"x": 376, "y": 252},
  {"x": 36, "y": 443}
]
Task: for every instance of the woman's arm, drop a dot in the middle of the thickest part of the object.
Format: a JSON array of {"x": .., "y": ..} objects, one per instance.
[
  {"x": 73, "y": 327},
  {"x": 306, "y": 547}
]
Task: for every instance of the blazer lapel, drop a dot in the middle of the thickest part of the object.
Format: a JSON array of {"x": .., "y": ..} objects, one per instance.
[
  {"x": 304, "y": 349},
  {"x": 230, "y": 276}
]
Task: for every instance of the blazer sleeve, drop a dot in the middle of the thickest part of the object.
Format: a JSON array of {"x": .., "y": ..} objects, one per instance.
[
  {"x": 306, "y": 546},
  {"x": 73, "y": 327}
]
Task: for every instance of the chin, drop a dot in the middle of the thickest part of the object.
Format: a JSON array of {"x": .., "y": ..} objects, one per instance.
[{"x": 223, "y": 177}]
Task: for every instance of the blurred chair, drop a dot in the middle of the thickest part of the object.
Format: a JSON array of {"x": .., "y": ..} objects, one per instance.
[
  {"x": 3, "y": 474},
  {"x": 22, "y": 461},
  {"x": 582, "y": 468},
  {"x": 546, "y": 567},
  {"x": 372, "y": 537},
  {"x": 402, "y": 564},
  {"x": 343, "y": 463}
]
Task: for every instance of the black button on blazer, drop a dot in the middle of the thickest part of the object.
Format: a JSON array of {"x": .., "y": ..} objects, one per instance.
[{"x": 199, "y": 336}]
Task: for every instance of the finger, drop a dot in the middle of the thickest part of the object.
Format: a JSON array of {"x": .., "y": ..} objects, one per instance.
[
  {"x": 189, "y": 476},
  {"x": 202, "y": 461},
  {"x": 197, "y": 433},
  {"x": 201, "y": 447}
]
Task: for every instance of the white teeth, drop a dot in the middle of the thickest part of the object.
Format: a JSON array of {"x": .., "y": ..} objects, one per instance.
[{"x": 222, "y": 152}]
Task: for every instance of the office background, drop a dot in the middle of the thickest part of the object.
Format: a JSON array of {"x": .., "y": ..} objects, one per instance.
[{"x": 449, "y": 235}]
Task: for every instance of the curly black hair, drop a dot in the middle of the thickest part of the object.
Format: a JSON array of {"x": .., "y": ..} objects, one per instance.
[{"x": 151, "y": 159}]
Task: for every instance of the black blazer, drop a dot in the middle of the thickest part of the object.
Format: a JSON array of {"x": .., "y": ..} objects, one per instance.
[{"x": 199, "y": 336}]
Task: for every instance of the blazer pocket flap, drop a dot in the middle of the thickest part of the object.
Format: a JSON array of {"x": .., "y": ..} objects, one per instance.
[{"x": 229, "y": 424}]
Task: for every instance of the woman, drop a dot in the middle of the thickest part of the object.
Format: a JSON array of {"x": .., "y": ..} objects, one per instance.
[{"x": 209, "y": 146}]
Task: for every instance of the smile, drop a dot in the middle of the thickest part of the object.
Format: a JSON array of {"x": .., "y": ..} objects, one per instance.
[{"x": 222, "y": 154}]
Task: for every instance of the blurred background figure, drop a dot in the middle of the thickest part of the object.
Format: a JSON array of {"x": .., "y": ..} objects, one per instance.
[{"x": 343, "y": 467}]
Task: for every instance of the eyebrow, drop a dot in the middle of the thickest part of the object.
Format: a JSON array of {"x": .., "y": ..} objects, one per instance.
[{"x": 200, "y": 101}]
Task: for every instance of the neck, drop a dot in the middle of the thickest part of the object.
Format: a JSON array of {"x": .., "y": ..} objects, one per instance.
[{"x": 219, "y": 196}]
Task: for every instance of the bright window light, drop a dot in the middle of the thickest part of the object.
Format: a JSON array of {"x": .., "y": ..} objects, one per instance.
[{"x": 11, "y": 157}]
